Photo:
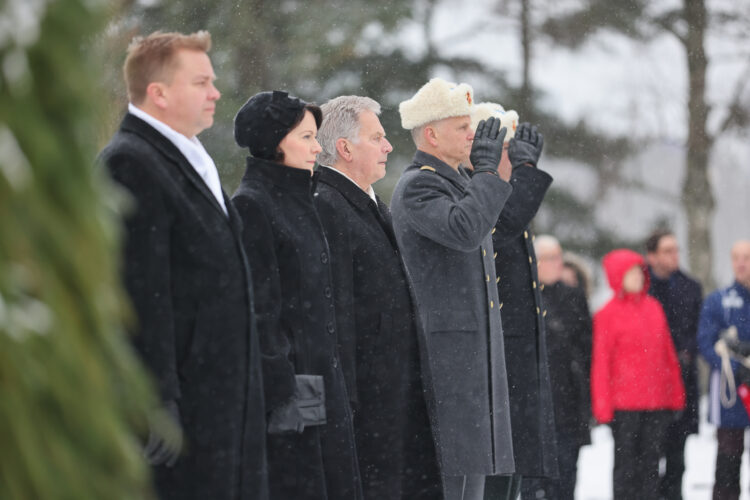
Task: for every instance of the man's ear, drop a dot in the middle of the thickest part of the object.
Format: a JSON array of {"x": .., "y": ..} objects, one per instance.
[
  {"x": 156, "y": 92},
  {"x": 429, "y": 134},
  {"x": 343, "y": 149}
]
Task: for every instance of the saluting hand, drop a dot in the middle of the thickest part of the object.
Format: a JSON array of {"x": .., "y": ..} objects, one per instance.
[
  {"x": 487, "y": 148},
  {"x": 526, "y": 147}
]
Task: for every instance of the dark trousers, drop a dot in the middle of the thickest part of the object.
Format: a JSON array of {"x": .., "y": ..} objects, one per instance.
[
  {"x": 557, "y": 489},
  {"x": 502, "y": 487},
  {"x": 731, "y": 445},
  {"x": 670, "y": 487},
  {"x": 638, "y": 436}
]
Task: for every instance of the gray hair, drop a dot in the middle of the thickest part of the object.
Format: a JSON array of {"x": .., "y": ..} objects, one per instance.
[
  {"x": 341, "y": 120},
  {"x": 545, "y": 242}
]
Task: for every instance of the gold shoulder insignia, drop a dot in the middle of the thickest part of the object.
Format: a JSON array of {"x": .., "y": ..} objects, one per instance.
[{"x": 428, "y": 168}]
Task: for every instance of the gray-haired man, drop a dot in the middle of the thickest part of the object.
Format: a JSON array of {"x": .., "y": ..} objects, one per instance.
[{"x": 379, "y": 335}]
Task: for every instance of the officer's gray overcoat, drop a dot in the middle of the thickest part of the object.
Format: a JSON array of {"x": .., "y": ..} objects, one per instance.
[{"x": 443, "y": 222}]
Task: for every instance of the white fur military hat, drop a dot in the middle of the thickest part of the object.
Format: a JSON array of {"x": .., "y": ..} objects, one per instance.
[
  {"x": 485, "y": 110},
  {"x": 437, "y": 99}
]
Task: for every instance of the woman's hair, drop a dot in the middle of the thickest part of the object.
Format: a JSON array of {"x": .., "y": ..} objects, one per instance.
[{"x": 317, "y": 114}]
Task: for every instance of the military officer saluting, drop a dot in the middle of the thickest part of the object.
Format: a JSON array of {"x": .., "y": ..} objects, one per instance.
[{"x": 442, "y": 219}]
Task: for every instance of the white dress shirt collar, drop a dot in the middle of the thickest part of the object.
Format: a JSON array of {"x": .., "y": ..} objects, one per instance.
[{"x": 191, "y": 148}]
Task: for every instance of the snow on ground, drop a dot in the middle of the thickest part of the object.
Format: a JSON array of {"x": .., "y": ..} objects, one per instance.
[{"x": 595, "y": 465}]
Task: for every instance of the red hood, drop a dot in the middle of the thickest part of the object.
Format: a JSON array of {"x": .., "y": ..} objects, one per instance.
[{"x": 617, "y": 262}]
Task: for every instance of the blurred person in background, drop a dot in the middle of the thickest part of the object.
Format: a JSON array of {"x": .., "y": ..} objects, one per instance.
[
  {"x": 531, "y": 405},
  {"x": 311, "y": 448},
  {"x": 636, "y": 384},
  {"x": 681, "y": 297},
  {"x": 568, "y": 328},
  {"x": 576, "y": 272},
  {"x": 187, "y": 276},
  {"x": 442, "y": 219},
  {"x": 379, "y": 333},
  {"x": 726, "y": 316}
]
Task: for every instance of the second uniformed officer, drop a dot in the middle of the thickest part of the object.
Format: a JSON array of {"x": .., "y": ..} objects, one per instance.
[
  {"x": 532, "y": 415},
  {"x": 442, "y": 219}
]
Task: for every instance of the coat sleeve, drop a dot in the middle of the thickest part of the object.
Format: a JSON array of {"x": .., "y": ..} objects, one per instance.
[
  {"x": 529, "y": 187},
  {"x": 710, "y": 324},
  {"x": 275, "y": 347},
  {"x": 336, "y": 229},
  {"x": 430, "y": 209},
  {"x": 601, "y": 397},
  {"x": 146, "y": 267}
]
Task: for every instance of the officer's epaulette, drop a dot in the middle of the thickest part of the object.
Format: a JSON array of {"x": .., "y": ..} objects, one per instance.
[{"x": 426, "y": 167}]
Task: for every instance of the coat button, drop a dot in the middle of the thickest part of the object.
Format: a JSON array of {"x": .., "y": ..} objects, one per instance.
[
  {"x": 544, "y": 314},
  {"x": 497, "y": 280},
  {"x": 537, "y": 310},
  {"x": 324, "y": 257},
  {"x": 487, "y": 278},
  {"x": 330, "y": 327},
  {"x": 533, "y": 284},
  {"x": 541, "y": 287},
  {"x": 493, "y": 230},
  {"x": 530, "y": 260},
  {"x": 494, "y": 256},
  {"x": 484, "y": 252},
  {"x": 526, "y": 234},
  {"x": 335, "y": 362},
  {"x": 501, "y": 305},
  {"x": 327, "y": 292},
  {"x": 492, "y": 304}
]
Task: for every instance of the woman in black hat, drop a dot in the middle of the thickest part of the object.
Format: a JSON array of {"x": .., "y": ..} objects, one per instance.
[{"x": 311, "y": 452}]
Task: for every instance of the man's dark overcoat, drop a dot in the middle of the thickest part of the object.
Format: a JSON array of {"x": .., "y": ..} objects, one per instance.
[
  {"x": 532, "y": 414},
  {"x": 379, "y": 341},
  {"x": 682, "y": 299},
  {"x": 294, "y": 304},
  {"x": 189, "y": 282},
  {"x": 442, "y": 221}
]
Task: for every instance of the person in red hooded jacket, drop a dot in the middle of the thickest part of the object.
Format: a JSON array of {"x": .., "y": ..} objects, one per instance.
[{"x": 636, "y": 385}]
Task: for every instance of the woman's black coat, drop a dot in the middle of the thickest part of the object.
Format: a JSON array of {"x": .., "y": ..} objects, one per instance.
[
  {"x": 568, "y": 328},
  {"x": 380, "y": 344},
  {"x": 289, "y": 256}
]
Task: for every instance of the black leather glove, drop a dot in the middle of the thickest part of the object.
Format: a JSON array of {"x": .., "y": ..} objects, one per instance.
[
  {"x": 526, "y": 147},
  {"x": 286, "y": 418},
  {"x": 165, "y": 435},
  {"x": 487, "y": 148}
]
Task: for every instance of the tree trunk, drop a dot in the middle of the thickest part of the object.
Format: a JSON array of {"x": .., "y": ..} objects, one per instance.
[
  {"x": 526, "y": 104},
  {"x": 697, "y": 193}
]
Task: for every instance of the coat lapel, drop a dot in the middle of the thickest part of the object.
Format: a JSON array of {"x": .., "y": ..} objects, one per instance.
[
  {"x": 137, "y": 126},
  {"x": 360, "y": 200}
]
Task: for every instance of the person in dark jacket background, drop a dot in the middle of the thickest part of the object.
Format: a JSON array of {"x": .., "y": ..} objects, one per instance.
[
  {"x": 568, "y": 328},
  {"x": 187, "y": 277},
  {"x": 378, "y": 331},
  {"x": 681, "y": 297},
  {"x": 636, "y": 384},
  {"x": 311, "y": 450},
  {"x": 442, "y": 219},
  {"x": 532, "y": 416}
]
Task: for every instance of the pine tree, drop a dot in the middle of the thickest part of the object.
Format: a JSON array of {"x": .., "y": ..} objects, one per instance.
[{"x": 72, "y": 394}]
